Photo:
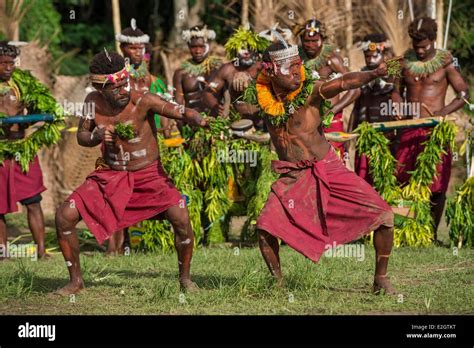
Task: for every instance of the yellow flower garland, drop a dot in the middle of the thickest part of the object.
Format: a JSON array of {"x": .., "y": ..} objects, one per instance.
[{"x": 267, "y": 102}]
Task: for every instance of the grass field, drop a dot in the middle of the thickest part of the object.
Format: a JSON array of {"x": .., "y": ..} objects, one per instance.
[{"x": 431, "y": 280}]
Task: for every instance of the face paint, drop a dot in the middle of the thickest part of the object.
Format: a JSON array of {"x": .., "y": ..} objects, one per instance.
[
  {"x": 206, "y": 51},
  {"x": 428, "y": 47},
  {"x": 285, "y": 68},
  {"x": 246, "y": 57}
]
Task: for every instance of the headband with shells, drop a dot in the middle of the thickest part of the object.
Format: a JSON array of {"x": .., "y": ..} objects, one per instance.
[
  {"x": 206, "y": 34},
  {"x": 142, "y": 39}
]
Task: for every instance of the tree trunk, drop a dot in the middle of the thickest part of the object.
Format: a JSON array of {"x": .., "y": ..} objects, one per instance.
[
  {"x": 181, "y": 15},
  {"x": 431, "y": 9},
  {"x": 245, "y": 13},
  {"x": 349, "y": 32},
  {"x": 10, "y": 17},
  {"x": 194, "y": 18},
  {"x": 166, "y": 68}
]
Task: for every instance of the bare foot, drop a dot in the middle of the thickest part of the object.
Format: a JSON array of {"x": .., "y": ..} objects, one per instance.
[
  {"x": 71, "y": 288},
  {"x": 382, "y": 282},
  {"x": 188, "y": 285},
  {"x": 280, "y": 282}
]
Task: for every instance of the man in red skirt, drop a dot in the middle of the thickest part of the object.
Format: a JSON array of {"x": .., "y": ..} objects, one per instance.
[
  {"x": 129, "y": 184},
  {"x": 16, "y": 185},
  {"x": 427, "y": 73},
  {"x": 317, "y": 202}
]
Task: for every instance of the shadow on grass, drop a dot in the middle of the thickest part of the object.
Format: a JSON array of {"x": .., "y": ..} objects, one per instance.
[{"x": 210, "y": 282}]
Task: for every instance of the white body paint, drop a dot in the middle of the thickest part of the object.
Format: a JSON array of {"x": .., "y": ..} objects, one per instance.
[
  {"x": 139, "y": 153},
  {"x": 135, "y": 140}
]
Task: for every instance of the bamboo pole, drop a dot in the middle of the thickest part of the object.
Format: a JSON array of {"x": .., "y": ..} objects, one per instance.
[
  {"x": 421, "y": 122},
  {"x": 448, "y": 20},
  {"x": 116, "y": 20},
  {"x": 440, "y": 22}
]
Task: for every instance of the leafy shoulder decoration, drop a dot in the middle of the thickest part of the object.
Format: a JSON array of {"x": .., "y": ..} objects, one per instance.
[
  {"x": 278, "y": 112},
  {"x": 423, "y": 69},
  {"x": 36, "y": 97},
  {"x": 137, "y": 73},
  {"x": 203, "y": 68}
]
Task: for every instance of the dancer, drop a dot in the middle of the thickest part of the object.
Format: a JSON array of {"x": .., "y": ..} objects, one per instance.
[
  {"x": 129, "y": 184},
  {"x": 243, "y": 49},
  {"x": 427, "y": 73},
  {"x": 194, "y": 75},
  {"x": 372, "y": 97},
  {"x": 15, "y": 184},
  {"x": 316, "y": 201},
  {"x": 133, "y": 44}
]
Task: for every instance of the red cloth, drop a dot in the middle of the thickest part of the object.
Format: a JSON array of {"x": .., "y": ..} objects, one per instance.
[
  {"x": 111, "y": 200},
  {"x": 361, "y": 168},
  {"x": 410, "y": 147},
  {"x": 15, "y": 185},
  {"x": 316, "y": 203},
  {"x": 337, "y": 125}
]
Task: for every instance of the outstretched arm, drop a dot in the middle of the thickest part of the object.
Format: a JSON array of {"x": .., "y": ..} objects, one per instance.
[
  {"x": 175, "y": 111},
  {"x": 352, "y": 80},
  {"x": 337, "y": 65},
  {"x": 459, "y": 85}
]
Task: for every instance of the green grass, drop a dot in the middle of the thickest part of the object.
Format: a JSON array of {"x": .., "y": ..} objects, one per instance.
[{"x": 431, "y": 280}]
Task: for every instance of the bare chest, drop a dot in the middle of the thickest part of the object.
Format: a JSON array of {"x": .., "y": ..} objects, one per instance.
[
  {"x": 193, "y": 83},
  {"x": 438, "y": 79}
]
